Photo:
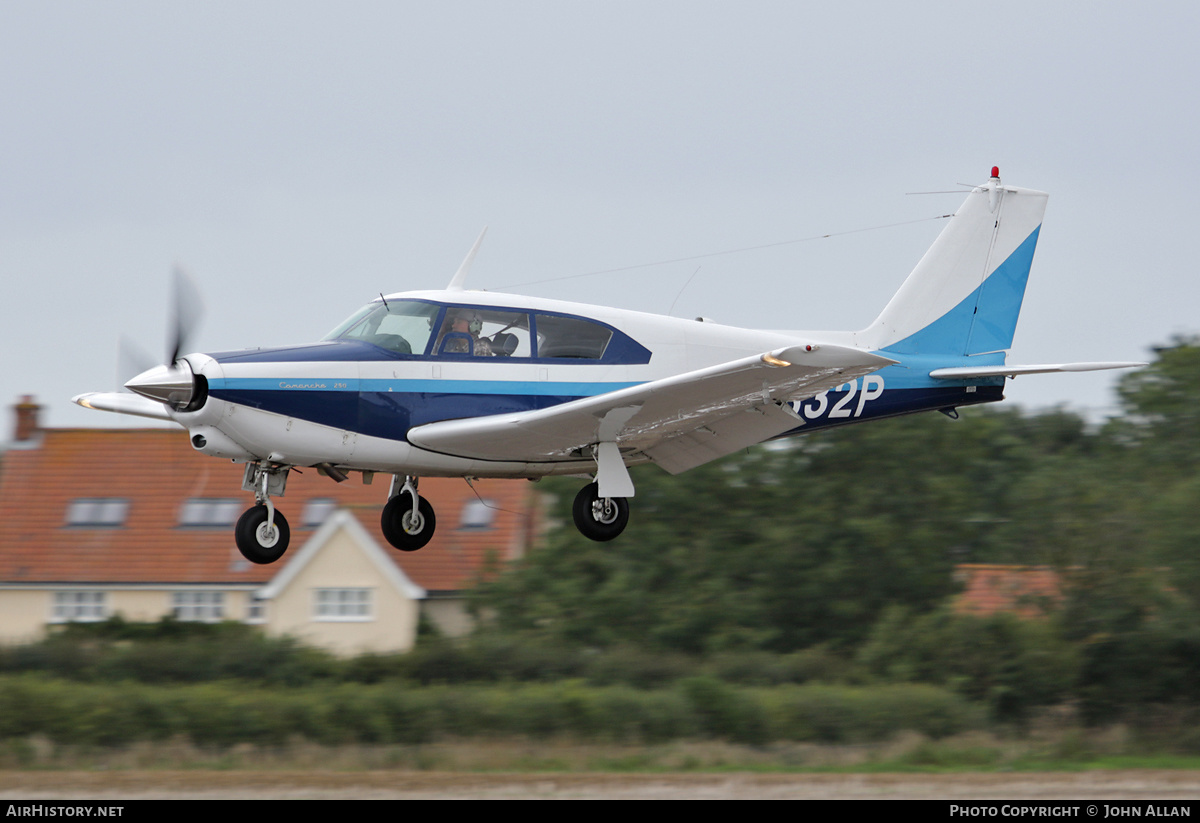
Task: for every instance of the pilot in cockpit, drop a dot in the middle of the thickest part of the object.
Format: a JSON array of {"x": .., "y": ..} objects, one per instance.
[{"x": 463, "y": 337}]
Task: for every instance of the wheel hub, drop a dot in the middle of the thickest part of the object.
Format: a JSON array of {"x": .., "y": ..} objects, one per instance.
[
  {"x": 604, "y": 511},
  {"x": 412, "y": 522},
  {"x": 267, "y": 535}
]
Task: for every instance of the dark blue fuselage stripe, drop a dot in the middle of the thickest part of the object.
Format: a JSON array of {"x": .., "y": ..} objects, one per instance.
[{"x": 386, "y": 414}]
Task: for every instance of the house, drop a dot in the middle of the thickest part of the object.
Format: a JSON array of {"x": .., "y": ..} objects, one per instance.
[
  {"x": 100, "y": 522},
  {"x": 991, "y": 588}
]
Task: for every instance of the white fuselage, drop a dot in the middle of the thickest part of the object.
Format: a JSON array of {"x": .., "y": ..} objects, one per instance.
[{"x": 283, "y": 428}]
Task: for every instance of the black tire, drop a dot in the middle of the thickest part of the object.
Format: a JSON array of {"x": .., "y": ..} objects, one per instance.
[
  {"x": 252, "y": 540},
  {"x": 396, "y": 525},
  {"x": 599, "y": 519}
]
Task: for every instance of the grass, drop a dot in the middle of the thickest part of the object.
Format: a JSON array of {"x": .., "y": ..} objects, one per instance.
[{"x": 1064, "y": 750}]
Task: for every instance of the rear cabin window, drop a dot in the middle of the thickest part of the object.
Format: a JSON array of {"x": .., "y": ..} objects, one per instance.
[{"x": 571, "y": 338}]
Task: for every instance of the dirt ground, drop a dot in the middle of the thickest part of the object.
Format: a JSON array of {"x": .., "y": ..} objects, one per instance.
[{"x": 404, "y": 785}]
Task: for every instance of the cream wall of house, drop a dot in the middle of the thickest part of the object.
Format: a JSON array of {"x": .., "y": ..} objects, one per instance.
[
  {"x": 26, "y": 614},
  {"x": 23, "y": 615},
  {"x": 151, "y": 605},
  {"x": 140, "y": 605},
  {"x": 343, "y": 564}
]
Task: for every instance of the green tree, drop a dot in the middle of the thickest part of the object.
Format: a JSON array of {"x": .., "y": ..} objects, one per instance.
[{"x": 789, "y": 545}]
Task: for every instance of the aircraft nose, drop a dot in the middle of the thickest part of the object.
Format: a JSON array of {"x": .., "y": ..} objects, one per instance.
[{"x": 174, "y": 385}]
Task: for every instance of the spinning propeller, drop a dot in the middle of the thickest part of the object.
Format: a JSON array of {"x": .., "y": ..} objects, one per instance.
[{"x": 173, "y": 382}]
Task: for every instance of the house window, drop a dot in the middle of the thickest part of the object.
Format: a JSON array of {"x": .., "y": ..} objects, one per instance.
[
  {"x": 316, "y": 511},
  {"x": 79, "y": 606},
  {"x": 209, "y": 512},
  {"x": 477, "y": 514},
  {"x": 97, "y": 512},
  {"x": 256, "y": 611},
  {"x": 341, "y": 604},
  {"x": 199, "y": 606}
]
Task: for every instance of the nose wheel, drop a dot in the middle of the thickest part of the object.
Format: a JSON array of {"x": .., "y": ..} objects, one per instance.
[
  {"x": 262, "y": 532},
  {"x": 599, "y": 518},
  {"x": 260, "y": 538}
]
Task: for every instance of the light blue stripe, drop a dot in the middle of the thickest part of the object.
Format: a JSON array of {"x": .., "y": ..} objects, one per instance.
[
  {"x": 985, "y": 319},
  {"x": 492, "y": 387}
]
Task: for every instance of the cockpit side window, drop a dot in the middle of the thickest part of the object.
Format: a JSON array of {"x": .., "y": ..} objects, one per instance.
[
  {"x": 470, "y": 331},
  {"x": 401, "y": 326}
]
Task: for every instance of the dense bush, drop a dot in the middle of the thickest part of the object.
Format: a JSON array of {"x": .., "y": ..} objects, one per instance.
[
  {"x": 224, "y": 714},
  {"x": 169, "y": 651},
  {"x": 1011, "y": 665}
]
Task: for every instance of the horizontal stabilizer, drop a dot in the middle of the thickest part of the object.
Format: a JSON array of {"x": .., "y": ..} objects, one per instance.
[
  {"x": 123, "y": 403},
  {"x": 1013, "y": 371}
]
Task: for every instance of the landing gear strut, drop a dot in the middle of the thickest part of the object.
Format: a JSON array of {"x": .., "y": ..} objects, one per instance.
[
  {"x": 408, "y": 520},
  {"x": 599, "y": 518},
  {"x": 262, "y": 533}
]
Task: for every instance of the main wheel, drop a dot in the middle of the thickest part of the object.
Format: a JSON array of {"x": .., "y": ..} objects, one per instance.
[
  {"x": 258, "y": 544},
  {"x": 404, "y": 530},
  {"x": 599, "y": 518}
]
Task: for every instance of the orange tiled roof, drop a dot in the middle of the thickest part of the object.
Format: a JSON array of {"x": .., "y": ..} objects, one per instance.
[
  {"x": 157, "y": 470},
  {"x": 1022, "y": 590}
]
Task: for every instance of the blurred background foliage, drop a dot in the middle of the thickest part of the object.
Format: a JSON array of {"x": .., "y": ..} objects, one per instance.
[{"x": 846, "y": 541}]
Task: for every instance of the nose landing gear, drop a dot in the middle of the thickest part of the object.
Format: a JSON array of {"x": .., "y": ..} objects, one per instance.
[{"x": 262, "y": 533}]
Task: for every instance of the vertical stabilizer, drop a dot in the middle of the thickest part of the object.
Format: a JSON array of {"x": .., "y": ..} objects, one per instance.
[{"x": 965, "y": 295}]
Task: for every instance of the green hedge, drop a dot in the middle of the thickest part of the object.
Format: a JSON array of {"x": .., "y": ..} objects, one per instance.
[{"x": 224, "y": 713}]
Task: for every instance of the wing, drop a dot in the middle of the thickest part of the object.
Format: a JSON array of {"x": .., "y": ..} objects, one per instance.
[{"x": 679, "y": 422}]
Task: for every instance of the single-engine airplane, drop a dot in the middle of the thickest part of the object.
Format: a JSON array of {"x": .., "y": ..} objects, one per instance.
[{"x": 480, "y": 384}]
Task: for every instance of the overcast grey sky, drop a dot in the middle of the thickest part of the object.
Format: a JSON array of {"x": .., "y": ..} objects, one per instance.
[{"x": 301, "y": 157}]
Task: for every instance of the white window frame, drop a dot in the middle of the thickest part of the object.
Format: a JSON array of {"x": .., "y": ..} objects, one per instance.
[
  {"x": 256, "y": 610},
  {"x": 79, "y": 606},
  {"x": 198, "y": 606},
  {"x": 97, "y": 512},
  {"x": 343, "y": 605},
  {"x": 478, "y": 515},
  {"x": 209, "y": 512}
]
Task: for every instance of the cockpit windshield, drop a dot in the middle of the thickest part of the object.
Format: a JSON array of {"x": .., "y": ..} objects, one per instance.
[{"x": 402, "y": 326}]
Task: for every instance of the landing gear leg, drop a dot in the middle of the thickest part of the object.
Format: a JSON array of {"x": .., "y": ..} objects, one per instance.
[
  {"x": 408, "y": 520},
  {"x": 262, "y": 533},
  {"x": 599, "y": 518}
]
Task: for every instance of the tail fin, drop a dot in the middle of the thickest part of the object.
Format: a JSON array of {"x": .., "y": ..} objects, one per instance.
[{"x": 965, "y": 295}]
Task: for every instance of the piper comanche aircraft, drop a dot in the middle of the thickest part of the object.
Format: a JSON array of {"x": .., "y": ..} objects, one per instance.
[{"x": 477, "y": 384}]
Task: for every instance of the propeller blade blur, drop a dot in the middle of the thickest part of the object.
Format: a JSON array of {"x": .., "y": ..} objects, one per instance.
[{"x": 187, "y": 311}]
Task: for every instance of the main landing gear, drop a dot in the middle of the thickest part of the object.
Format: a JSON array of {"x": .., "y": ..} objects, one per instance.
[
  {"x": 408, "y": 520},
  {"x": 262, "y": 533},
  {"x": 602, "y": 517},
  {"x": 599, "y": 518}
]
